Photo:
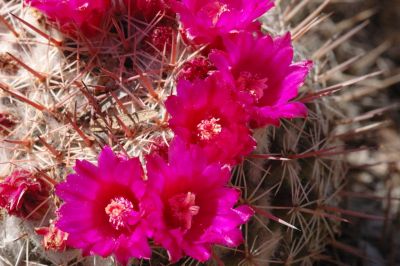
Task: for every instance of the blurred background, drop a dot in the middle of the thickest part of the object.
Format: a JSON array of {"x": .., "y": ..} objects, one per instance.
[{"x": 374, "y": 174}]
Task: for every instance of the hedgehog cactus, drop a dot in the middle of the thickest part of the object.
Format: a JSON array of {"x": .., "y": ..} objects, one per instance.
[{"x": 141, "y": 77}]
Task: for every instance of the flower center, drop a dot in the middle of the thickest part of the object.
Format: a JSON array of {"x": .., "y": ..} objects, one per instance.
[
  {"x": 251, "y": 84},
  {"x": 208, "y": 128},
  {"x": 183, "y": 208},
  {"x": 118, "y": 211},
  {"x": 214, "y": 10}
]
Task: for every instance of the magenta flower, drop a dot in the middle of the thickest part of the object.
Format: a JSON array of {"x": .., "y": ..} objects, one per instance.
[
  {"x": 73, "y": 15},
  {"x": 103, "y": 209},
  {"x": 161, "y": 38},
  {"x": 23, "y": 194},
  {"x": 196, "y": 68},
  {"x": 148, "y": 9},
  {"x": 159, "y": 146},
  {"x": 53, "y": 237},
  {"x": 204, "y": 113},
  {"x": 206, "y": 20},
  {"x": 195, "y": 208},
  {"x": 266, "y": 81}
]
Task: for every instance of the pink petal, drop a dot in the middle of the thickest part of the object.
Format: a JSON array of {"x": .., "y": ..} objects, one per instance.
[
  {"x": 294, "y": 80},
  {"x": 200, "y": 252},
  {"x": 104, "y": 248},
  {"x": 245, "y": 212},
  {"x": 107, "y": 163}
]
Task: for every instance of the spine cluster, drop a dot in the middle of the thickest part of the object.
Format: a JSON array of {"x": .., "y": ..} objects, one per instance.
[{"x": 179, "y": 194}]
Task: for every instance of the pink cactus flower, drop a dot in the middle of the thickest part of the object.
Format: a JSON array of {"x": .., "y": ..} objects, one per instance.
[
  {"x": 24, "y": 195},
  {"x": 265, "y": 78},
  {"x": 148, "y": 9},
  {"x": 204, "y": 113},
  {"x": 53, "y": 237},
  {"x": 85, "y": 16},
  {"x": 196, "y": 68},
  {"x": 195, "y": 208},
  {"x": 159, "y": 146},
  {"x": 103, "y": 210},
  {"x": 160, "y": 38},
  {"x": 206, "y": 20}
]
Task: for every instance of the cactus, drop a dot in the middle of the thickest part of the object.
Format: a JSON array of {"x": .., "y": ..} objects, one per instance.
[{"x": 64, "y": 98}]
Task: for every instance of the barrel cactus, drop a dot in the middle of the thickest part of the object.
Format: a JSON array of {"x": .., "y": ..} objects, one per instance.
[{"x": 224, "y": 115}]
